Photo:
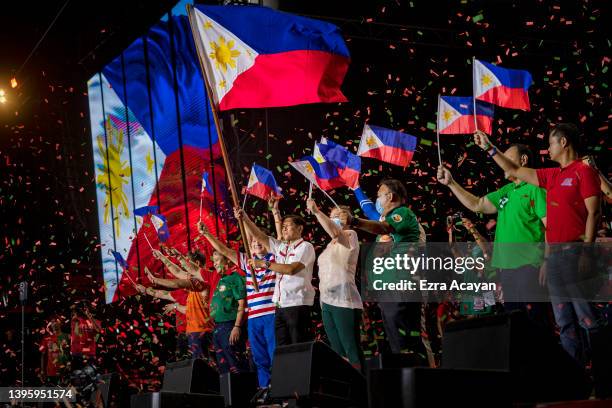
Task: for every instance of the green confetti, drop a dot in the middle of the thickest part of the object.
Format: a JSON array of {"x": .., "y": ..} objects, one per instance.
[
  {"x": 431, "y": 126},
  {"x": 478, "y": 18}
]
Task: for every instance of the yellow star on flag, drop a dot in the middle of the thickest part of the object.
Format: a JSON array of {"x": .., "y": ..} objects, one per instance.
[
  {"x": 486, "y": 79},
  {"x": 150, "y": 162},
  {"x": 223, "y": 54},
  {"x": 448, "y": 115},
  {"x": 208, "y": 24}
]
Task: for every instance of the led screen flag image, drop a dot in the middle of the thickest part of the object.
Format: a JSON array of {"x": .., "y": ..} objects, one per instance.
[{"x": 153, "y": 140}]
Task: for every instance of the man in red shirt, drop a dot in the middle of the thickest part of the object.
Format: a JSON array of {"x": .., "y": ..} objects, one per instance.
[
  {"x": 83, "y": 337},
  {"x": 573, "y": 211},
  {"x": 54, "y": 357}
]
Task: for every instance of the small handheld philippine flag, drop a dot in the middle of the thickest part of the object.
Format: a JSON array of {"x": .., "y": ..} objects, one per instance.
[
  {"x": 159, "y": 221},
  {"x": 347, "y": 164},
  {"x": 387, "y": 145},
  {"x": 456, "y": 115},
  {"x": 262, "y": 183},
  {"x": 503, "y": 87}
]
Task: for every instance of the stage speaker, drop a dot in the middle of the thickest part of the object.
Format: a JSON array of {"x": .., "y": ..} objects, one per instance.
[
  {"x": 191, "y": 376},
  {"x": 390, "y": 360},
  {"x": 437, "y": 387},
  {"x": 165, "y": 399},
  {"x": 315, "y": 374},
  {"x": 423, "y": 387},
  {"x": 540, "y": 369},
  {"x": 238, "y": 388}
]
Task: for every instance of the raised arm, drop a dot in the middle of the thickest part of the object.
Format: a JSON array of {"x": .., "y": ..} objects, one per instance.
[
  {"x": 332, "y": 229},
  {"x": 250, "y": 226},
  {"x": 168, "y": 283},
  {"x": 469, "y": 200},
  {"x": 526, "y": 174},
  {"x": 283, "y": 269},
  {"x": 278, "y": 220},
  {"x": 176, "y": 270},
  {"x": 367, "y": 206},
  {"x": 156, "y": 293},
  {"x": 373, "y": 227},
  {"x": 218, "y": 245}
]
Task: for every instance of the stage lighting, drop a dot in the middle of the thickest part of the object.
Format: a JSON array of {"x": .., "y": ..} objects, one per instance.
[
  {"x": 13, "y": 82},
  {"x": 2, "y": 96}
]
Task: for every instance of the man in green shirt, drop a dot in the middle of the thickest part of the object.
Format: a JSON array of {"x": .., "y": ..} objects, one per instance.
[
  {"x": 398, "y": 224},
  {"x": 519, "y": 234}
]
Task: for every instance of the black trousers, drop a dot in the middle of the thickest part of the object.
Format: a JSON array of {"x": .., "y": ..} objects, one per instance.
[
  {"x": 292, "y": 325},
  {"x": 400, "y": 319}
]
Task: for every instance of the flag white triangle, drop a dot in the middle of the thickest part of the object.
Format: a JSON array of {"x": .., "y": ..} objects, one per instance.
[
  {"x": 225, "y": 55},
  {"x": 484, "y": 79},
  {"x": 446, "y": 115},
  {"x": 368, "y": 141}
]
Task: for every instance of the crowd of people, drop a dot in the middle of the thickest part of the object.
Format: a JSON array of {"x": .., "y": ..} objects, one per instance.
[{"x": 265, "y": 296}]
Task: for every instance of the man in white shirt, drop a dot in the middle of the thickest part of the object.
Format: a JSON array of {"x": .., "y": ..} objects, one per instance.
[{"x": 293, "y": 264}]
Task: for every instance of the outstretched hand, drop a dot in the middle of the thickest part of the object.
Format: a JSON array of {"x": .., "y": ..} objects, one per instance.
[{"x": 150, "y": 276}]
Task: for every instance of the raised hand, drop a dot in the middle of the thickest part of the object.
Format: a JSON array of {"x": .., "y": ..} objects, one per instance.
[
  {"x": 444, "y": 175},
  {"x": 482, "y": 140},
  {"x": 202, "y": 229},
  {"x": 238, "y": 213},
  {"x": 150, "y": 276},
  {"x": 312, "y": 206}
]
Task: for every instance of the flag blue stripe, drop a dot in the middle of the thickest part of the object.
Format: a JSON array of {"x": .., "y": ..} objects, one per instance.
[
  {"x": 511, "y": 78},
  {"x": 268, "y": 31},
  {"x": 394, "y": 138}
]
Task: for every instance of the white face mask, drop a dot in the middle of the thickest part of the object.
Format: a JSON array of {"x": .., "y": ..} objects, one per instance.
[{"x": 337, "y": 221}]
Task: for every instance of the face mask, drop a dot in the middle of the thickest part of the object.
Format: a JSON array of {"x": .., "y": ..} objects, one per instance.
[
  {"x": 380, "y": 203},
  {"x": 337, "y": 221}
]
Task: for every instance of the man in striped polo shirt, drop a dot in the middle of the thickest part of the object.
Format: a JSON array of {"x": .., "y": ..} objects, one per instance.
[
  {"x": 260, "y": 307},
  {"x": 293, "y": 264}
]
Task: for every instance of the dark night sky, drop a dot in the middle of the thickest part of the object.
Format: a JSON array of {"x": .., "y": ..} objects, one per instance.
[{"x": 403, "y": 54}]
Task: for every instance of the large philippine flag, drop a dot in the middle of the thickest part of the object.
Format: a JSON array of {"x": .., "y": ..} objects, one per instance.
[
  {"x": 387, "y": 145},
  {"x": 503, "y": 87},
  {"x": 456, "y": 115},
  {"x": 257, "y": 57}
]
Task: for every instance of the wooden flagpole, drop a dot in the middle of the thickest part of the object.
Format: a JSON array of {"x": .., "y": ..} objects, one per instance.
[{"x": 214, "y": 109}]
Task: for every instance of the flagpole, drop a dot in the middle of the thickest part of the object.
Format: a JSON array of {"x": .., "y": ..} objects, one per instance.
[
  {"x": 328, "y": 196},
  {"x": 244, "y": 200},
  {"x": 310, "y": 190},
  {"x": 201, "y": 199},
  {"x": 474, "y": 91},
  {"x": 438, "y": 132},
  {"x": 214, "y": 108}
]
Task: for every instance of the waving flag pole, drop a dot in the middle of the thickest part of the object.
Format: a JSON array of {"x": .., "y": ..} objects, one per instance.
[
  {"x": 214, "y": 108},
  {"x": 438, "y": 132}
]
